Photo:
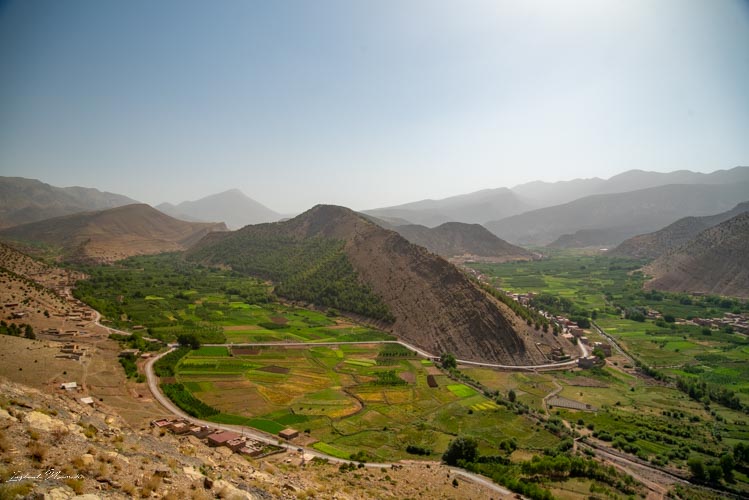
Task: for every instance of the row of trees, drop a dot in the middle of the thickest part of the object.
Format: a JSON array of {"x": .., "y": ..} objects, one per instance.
[
  {"x": 187, "y": 402},
  {"x": 14, "y": 330}
]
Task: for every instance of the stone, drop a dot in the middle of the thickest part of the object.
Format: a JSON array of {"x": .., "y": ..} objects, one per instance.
[
  {"x": 4, "y": 415},
  {"x": 40, "y": 421},
  {"x": 87, "y": 459},
  {"x": 192, "y": 473},
  {"x": 62, "y": 493}
]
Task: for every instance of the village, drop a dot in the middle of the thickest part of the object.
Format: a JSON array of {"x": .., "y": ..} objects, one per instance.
[{"x": 234, "y": 441}]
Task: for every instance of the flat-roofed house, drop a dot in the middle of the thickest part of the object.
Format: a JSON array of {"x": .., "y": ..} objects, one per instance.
[
  {"x": 288, "y": 433},
  {"x": 221, "y": 438}
]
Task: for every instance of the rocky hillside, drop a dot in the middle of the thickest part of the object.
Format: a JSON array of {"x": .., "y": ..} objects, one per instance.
[
  {"x": 232, "y": 207},
  {"x": 431, "y": 303},
  {"x": 29, "y": 200},
  {"x": 463, "y": 241},
  {"x": 630, "y": 213},
  {"x": 716, "y": 261},
  {"x": 54, "y": 447},
  {"x": 589, "y": 238},
  {"x": 113, "y": 234},
  {"x": 653, "y": 245}
]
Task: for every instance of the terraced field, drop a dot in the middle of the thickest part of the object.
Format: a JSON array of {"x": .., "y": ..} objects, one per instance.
[{"x": 353, "y": 398}]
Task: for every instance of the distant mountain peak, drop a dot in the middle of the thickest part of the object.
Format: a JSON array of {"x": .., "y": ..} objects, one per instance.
[{"x": 232, "y": 207}]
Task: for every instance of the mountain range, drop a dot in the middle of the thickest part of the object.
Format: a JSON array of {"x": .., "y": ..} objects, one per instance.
[
  {"x": 500, "y": 203},
  {"x": 463, "y": 242},
  {"x": 653, "y": 245},
  {"x": 113, "y": 234},
  {"x": 232, "y": 207},
  {"x": 29, "y": 200},
  {"x": 715, "y": 261},
  {"x": 624, "y": 214},
  {"x": 471, "y": 208},
  {"x": 339, "y": 257}
]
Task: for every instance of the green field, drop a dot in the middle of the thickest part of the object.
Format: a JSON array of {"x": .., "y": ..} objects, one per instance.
[
  {"x": 170, "y": 296},
  {"x": 354, "y": 398},
  {"x": 663, "y": 422}
]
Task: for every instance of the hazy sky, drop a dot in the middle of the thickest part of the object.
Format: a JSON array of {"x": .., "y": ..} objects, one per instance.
[{"x": 367, "y": 103}]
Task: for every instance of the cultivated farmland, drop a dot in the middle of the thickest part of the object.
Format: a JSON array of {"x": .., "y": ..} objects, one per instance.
[{"x": 369, "y": 400}]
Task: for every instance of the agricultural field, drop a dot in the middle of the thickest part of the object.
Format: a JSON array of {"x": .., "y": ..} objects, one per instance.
[
  {"x": 365, "y": 400},
  {"x": 691, "y": 404},
  {"x": 169, "y": 296}
]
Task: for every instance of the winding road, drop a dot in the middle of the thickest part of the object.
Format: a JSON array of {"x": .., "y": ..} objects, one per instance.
[{"x": 271, "y": 439}]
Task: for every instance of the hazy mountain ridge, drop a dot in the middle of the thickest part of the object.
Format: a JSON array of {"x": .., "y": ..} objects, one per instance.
[
  {"x": 541, "y": 194},
  {"x": 434, "y": 305},
  {"x": 29, "y": 200},
  {"x": 472, "y": 208},
  {"x": 635, "y": 212},
  {"x": 500, "y": 203},
  {"x": 468, "y": 241},
  {"x": 715, "y": 261},
  {"x": 653, "y": 245},
  {"x": 113, "y": 234},
  {"x": 232, "y": 207}
]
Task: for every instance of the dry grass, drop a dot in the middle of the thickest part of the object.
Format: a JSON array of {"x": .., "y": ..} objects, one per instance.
[
  {"x": 37, "y": 451},
  {"x": 150, "y": 485},
  {"x": 76, "y": 485}
]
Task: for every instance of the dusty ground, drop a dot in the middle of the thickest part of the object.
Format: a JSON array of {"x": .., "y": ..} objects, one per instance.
[{"x": 94, "y": 451}]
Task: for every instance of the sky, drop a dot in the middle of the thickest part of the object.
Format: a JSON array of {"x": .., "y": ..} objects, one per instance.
[{"x": 367, "y": 104}]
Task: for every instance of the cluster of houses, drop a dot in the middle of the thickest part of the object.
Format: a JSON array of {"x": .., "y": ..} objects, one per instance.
[
  {"x": 221, "y": 438},
  {"x": 72, "y": 350},
  {"x": 739, "y": 322}
]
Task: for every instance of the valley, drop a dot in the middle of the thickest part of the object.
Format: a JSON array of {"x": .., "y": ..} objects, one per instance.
[{"x": 556, "y": 372}]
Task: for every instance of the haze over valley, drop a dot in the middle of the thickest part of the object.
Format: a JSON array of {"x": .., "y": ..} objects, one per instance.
[{"x": 353, "y": 251}]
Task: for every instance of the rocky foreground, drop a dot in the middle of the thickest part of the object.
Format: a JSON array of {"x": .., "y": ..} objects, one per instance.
[{"x": 54, "y": 447}]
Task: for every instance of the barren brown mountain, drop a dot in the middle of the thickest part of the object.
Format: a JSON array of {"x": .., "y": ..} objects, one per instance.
[
  {"x": 117, "y": 233},
  {"x": 716, "y": 261},
  {"x": 653, "y": 245},
  {"x": 433, "y": 304},
  {"x": 29, "y": 200},
  {"x": 464, "y": 242}
]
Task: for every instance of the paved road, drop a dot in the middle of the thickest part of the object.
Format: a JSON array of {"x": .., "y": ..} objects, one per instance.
[
  {"x": 270, "y": 439},
  {"x": 548, "y": 366},
  {"x": 614, "y": 343}
]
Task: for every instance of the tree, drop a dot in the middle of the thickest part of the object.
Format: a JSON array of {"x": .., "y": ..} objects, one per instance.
[
  {"x": 29, "y": 332},
  {"x": 727, "y": 463},
  {"x": 461, "y": 448},
  {"x": 448, "y": 361},
  {"x": 512, "y": 396},
  {"x": 697, "y": 468},
  {"x": 188, "y": 340},
  {"x": 715, "y": 473},
  {"x": 597, "y": 352}
]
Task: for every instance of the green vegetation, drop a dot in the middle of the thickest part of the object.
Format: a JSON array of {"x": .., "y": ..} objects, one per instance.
[
  {"x": 17, "y": 330},
  {"x": 174, "y": 298},
  {"x": 692, "y": 419},
  {"x": 356, "y": 400},
  {"x": 311, "y": 269},
  {"x": 128, "y": 364},
  {"x": 165, "y": 366},
  {"x": 187, "y": 402}
]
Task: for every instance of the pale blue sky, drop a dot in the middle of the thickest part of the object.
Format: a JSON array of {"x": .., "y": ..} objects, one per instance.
[{"x": 367, "y": 103}]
